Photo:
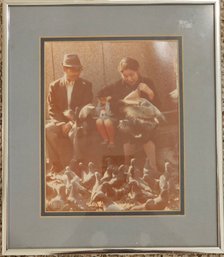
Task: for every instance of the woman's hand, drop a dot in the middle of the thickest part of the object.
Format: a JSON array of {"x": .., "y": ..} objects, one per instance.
[{"x": 142, "y": 87}]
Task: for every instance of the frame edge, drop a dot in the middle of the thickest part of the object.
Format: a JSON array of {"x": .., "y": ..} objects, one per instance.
[
  {"x": 6, "y": 251},
  {"x": 5, "y": 127},
  {"x": 178, "y": 250},
  {"x": 97, "y": 2},
  {"x": 219, "y": 132}
]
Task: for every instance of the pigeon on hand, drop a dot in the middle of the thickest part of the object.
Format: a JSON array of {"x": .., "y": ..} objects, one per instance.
[
  {"x": 69, "y": 114},
  {"x": 141, "y": 109},
  {"x": 86, "y": 111}
]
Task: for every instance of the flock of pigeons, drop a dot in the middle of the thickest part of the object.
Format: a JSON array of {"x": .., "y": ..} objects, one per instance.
[{"x": 117, "y": 189}]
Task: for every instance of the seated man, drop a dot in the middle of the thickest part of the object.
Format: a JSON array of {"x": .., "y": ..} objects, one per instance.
[{"x": 65, "y": 96}]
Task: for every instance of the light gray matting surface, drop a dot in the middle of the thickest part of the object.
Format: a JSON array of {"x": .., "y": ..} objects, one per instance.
[{"x": 198, "y": 226}]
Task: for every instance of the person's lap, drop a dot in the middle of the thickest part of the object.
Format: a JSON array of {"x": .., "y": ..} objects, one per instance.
[{"x": 60, "y": 143}]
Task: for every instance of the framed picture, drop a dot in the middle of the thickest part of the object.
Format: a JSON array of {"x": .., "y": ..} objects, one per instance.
[
  {"x": 112, "y": 127},
  {"x": 131, "y": 182}
]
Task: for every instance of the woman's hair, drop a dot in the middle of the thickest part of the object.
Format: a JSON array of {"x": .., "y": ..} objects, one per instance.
[{"x": 128, "y": 63}]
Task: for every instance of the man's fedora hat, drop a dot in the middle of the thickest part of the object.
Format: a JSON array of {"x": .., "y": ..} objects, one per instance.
[{"x": 72, "y": 61}]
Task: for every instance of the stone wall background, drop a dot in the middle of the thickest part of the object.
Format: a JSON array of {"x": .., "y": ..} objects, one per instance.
[{"x": 111, "y": 255}]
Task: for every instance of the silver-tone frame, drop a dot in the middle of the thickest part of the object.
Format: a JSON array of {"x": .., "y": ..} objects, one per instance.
[{"x": 219, "y": 152}]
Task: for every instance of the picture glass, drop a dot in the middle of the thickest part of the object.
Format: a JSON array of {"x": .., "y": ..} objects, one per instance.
[{"x": 111, "y": 126}]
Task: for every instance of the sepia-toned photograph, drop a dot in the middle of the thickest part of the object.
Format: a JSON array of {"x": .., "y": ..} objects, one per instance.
[{"x": 111, "y": 126}]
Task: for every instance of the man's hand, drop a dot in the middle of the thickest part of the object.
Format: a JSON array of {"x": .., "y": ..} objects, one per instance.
[
  {"x": 142, "y": 87},
  {"x": 69, "y": 114},
  {"x": 66, "y": 128}
]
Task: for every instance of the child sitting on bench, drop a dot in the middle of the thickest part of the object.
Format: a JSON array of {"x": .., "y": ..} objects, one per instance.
[{"x": 104, "y": 122}]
